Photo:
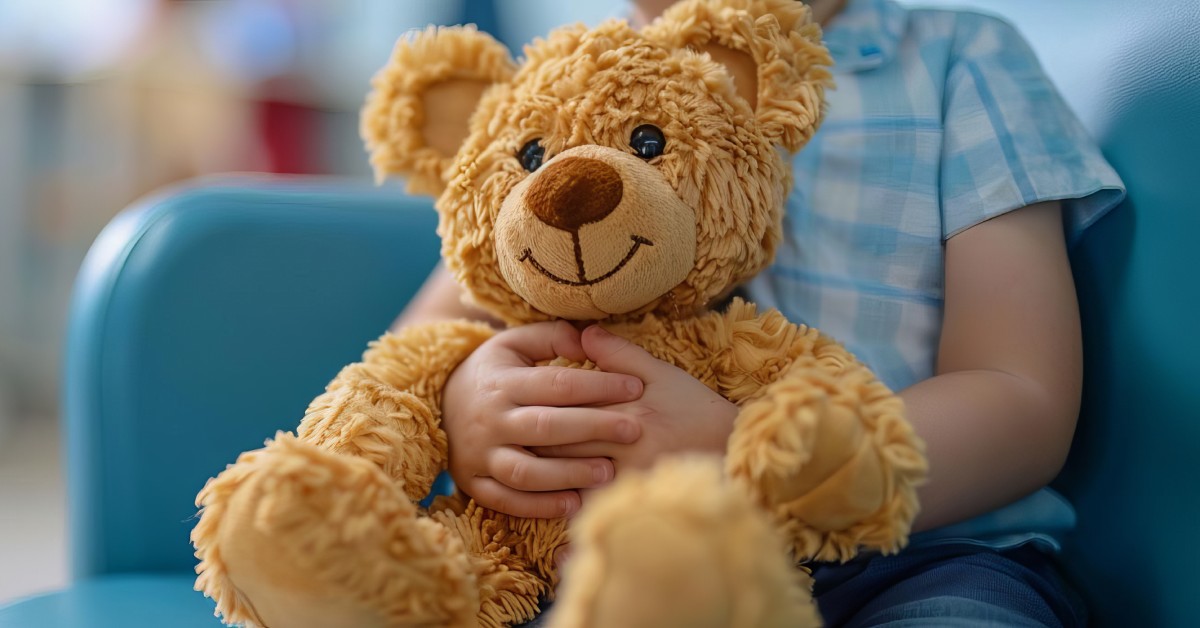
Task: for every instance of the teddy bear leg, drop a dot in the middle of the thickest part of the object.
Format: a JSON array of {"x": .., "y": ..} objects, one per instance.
[
  {"x": 294, "y": 536},
  {"x": 680, "y": 546}
]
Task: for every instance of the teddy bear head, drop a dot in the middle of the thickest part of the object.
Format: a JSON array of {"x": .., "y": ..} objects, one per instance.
[{"x": 612, "y": 172}]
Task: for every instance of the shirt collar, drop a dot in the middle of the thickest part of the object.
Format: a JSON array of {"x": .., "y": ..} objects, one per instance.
[{"x": 865, "y": 34}]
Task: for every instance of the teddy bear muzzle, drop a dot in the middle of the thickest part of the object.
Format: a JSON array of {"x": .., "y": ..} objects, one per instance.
[
  {"x": 594, "y": 232},
  {"x": 574, "y": 192}
]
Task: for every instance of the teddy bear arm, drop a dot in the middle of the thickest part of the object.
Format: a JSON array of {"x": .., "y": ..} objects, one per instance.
[
  {"x": 387, "y": 408},
  {"x": 828, "y": 451},
  {"x": 325, "y": 525}
]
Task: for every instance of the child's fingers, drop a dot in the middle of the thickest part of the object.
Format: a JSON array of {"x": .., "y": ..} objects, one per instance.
[
  {"x": 489, "y": 493},
  {"x": 562, "y": 386},
  {"x": 615, "y": 354},
  {"x": 531, "y": 426},
  {"x": 593, "y": 449},
  {"x": 520, "y": 470},
  {"x": 544, "y": 341}
]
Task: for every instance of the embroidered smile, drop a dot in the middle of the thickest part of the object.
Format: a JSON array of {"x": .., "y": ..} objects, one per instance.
[{"x": 638, "y": 241}]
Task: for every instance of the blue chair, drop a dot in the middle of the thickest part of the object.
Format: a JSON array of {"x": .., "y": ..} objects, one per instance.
[
  {"x": 204, "y": 319},
  {"x": 208, "y": 317}
]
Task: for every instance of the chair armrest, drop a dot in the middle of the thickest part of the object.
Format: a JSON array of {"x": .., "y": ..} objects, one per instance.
[{"x": 116, "y": 601}]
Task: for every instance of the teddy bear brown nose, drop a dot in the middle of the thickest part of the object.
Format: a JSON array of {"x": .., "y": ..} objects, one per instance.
[{"x": 573, "y": 192}]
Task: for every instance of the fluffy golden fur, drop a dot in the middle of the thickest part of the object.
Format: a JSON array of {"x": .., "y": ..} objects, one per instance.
[{"x": 322, "y": 528}]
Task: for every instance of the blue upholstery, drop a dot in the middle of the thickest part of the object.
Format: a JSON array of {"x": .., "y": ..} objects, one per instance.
[
  {"x": 207, "y": 318},
  {"x": 1131, "y": 471}
]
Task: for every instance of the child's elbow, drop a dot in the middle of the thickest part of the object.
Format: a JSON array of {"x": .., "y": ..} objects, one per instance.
[{"x": 1057, "y": 417}]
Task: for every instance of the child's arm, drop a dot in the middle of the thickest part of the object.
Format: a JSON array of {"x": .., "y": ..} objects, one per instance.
[
  {"x": 439, "y": 298},
  {"x": 999, "y": 415}
]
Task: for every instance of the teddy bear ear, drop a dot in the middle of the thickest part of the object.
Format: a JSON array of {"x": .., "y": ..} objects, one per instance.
[
  {"x": 771, "y": 48},
  {"x": 416, "y": 116}
]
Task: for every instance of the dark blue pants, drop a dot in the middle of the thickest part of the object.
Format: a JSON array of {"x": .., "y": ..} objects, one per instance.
[
  {"x": 961, "y": 586},
  {"x": 948, "y": 585}
]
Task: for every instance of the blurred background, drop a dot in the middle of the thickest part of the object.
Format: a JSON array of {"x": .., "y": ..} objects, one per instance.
[{"x": 104, "y": 101}]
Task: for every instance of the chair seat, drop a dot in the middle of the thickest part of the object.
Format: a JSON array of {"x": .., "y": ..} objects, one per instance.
[{"x": 118, "y": 600}]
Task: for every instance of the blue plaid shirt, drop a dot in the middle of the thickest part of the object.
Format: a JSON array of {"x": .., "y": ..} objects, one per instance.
[{"x": 940, "y": 121}]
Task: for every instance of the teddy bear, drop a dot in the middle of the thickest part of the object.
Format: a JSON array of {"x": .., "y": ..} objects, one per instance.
[{"x": 618, "y": 178}]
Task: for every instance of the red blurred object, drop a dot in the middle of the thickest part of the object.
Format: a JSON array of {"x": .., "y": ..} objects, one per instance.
[{"x": 290, "y": 137}]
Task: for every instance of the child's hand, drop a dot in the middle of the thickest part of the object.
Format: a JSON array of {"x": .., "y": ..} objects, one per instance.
[
  {"x": 497, "y": 402},
  {"x": 676, "y": 412}
]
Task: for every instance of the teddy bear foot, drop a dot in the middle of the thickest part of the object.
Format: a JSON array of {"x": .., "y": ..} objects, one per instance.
[
  {"x": 680, "y": 546},
  {"x": 295, "y": 536}
]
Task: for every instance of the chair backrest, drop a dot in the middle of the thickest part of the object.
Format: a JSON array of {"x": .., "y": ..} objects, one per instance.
[
  {"x": 205, "y": 319},
  {"x": 1131, "y": 70}
]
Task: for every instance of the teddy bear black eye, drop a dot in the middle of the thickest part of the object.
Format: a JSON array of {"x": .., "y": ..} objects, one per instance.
[
  {"x": 532, "y": 154},
  {"x": 648, "y": 141}
]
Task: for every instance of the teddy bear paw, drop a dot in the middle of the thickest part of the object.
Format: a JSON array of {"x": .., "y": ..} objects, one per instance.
[
  {"x": 294, "y": 535},
  {"x": 680, "y": 546}
]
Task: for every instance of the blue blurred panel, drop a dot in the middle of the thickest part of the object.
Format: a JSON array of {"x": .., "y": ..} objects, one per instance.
[
  {"x": 519, "y": 21},
  {"x": 204, "y": 321},
  {"x": 116, "y": 602},
  {"x": 336, "y": 47},
  {"x": 482, "y": 13}
]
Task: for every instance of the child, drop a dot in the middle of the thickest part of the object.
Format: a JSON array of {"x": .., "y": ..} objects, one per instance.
[{"x": 927, "y": 230}]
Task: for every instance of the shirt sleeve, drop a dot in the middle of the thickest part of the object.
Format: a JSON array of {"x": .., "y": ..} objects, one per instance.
[{"x": 1010, "y": 139}]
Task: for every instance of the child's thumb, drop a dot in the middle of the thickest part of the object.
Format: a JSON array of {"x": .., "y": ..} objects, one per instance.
[{"x": 615, "y": 354}]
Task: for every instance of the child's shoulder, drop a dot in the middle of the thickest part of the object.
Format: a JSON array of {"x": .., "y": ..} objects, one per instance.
[{"x": 965, "y": 27}]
